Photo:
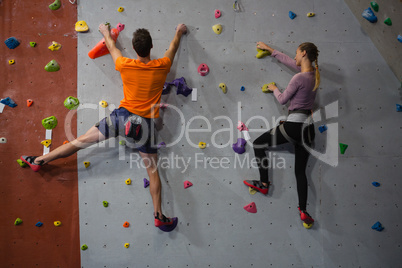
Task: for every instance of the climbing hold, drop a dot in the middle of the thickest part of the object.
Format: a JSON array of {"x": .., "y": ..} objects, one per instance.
[
  {"x": 103, "y": 104},
  {"x": 65, "y": 142},
  {"x": 128, "y": 181},
  {"x": 8, "y": 101},
  {"x": 12, "y": 42},
  {"x": 87, "y": 164},
  {"x": 105, "y": 203},
  {"x": 217, "y": 28},
  {"x": 252, "y": 190},
  {"x": 122, "y": 142},
  {"x": 368, "y": 14},
  {"x": 29, "y": 102},
  {"x": 311, "y": 14},
  {"x": 57, "y": 223},
  {"x": 377, "y": 226},
  {"x": 55, "y": 5},
  {"x": 292, "y": 15},
  {"x": 388, "y": 21},
  {"x": 343, "y": 147},
  {"x": 202, "y": 145},
  {"x": 169, "y": 228},
  {"x": 322, "y": 128},
  {"x": 262, "y": 53},
  {"x": 32, "y": 44},
  {"x": 251, "y": 207},
  {"x": 187, "y": 184},
  {"x": 3, "y": 140},
  {"x": 46, "y": 143},
  {"x": 84, "y": 247},
  {"x": 307, "y": 225},
  {"x": 49, "y": 122},
  {"x": 223, "y": 87},
  {"x": 52, "y": 66},
  {"x": 127, "y": 245},
  {"x": 241, "y": 126},
  {"x": 218, "y": 13},
  {"x": 181, "y": 85},
  {"x": 163, "y": 105},
  {"x": 399, "y": 38},
  {"x": 166, "y": 88},
  {"x": 265, "y": 88},
  {"x": 21, "y": 163},
  {"x": 242, "y": 88},
  {"x": 39, "y": 224},
  {"x": 126, "y": 224},
  {"x": 120, "y": 9},
  {"x": 375, "y": 6},
  {"x": 203, "y": 69},
  {"x": 376, "y": 184},
  {"x": 146, "y": 183},
  {"x": 71, "y": 103},
  {"x": 239, "y": 146},
  {"x": 120, "y": 27},
  {"x": 399, "y": 108},
  {"x": 161, "y": 145},
  {"x": 236, "y": 6},
  {"x": 100, "y": 48},
  {"x": 54, "y": 46},
  {"x": 18, "y": 221},
  {"x": 11, "y": 62},
  {"x": 81, "y": 26}
]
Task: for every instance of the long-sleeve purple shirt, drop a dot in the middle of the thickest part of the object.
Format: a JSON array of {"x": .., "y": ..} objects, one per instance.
[{"x": 299, "y": 92}]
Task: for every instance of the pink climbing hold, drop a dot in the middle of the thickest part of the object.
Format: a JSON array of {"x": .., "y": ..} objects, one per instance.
[
  {"x": 217, "y": 13},
  {"x": 203, "y": 69},
  {"x": 251, "y": 208},
  {"x": 241, "y": 126},
  {"x": 120, "y": 27},
  {"x": 187, "y": 184}
]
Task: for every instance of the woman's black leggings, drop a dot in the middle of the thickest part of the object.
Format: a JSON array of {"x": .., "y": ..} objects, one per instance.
[{"x": 275, "y": 137}]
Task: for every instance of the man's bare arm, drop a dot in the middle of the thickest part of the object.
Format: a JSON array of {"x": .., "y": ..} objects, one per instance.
[
  {"x": 110, "y": 43},
  {"x": 174, "y": 45}
]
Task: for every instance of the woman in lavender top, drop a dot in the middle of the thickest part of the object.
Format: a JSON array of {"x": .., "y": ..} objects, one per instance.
[{"x": 300, "y": 94}]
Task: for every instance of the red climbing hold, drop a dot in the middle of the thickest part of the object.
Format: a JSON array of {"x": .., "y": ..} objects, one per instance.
[
  {"x": 187, "y": 184},
  {"x": 203, "y": 69},
  {"x": 251, "y": 208},
  {"x": 126, "y": 224},
  {"x": 29, "y": 102}
]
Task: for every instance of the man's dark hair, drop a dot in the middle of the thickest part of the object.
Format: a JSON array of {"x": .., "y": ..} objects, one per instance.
[{"x": 142, "y": 42}]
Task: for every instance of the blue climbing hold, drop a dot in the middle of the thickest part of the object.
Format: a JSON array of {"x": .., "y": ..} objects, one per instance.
[
  {"x": 399, "y": 108},
  {"x": 242, "y": 88},
  {"x": 38, "y": 224},
  {"x": 8, "y": 101},
  {"x": 146, "y": 183},
  {"x": 400, "y": 38},
  {"x": 377, "y": 226},
  {"x": 368, "y": 14},
  {"x": 322, "y": 128},
  {"x": 292, "y": 15},
  {"x": 12, "y": 42},
  {"x": 375, "y": 184}
]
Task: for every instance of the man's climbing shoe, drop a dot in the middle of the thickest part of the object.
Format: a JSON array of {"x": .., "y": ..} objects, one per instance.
[
  {"x": 257, "y": 185},
  {"x": 30, "y": 161},
  {"x": 305, "y": 217},
  {"x": 163, "y": 221}
]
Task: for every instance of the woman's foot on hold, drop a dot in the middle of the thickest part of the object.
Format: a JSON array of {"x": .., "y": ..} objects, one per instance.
[
  {"x": 305, "y": 217},
  {"x": 30, "y": 161},
  {"x": 258, "y": 185},
  {"x": 162, "y": 221}
]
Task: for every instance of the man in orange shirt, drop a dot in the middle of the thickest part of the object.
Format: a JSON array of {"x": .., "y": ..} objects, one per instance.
[{"x": 143, "y": 81}]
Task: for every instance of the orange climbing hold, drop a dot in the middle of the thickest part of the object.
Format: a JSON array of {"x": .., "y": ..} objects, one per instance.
[
  {"x": 100, "y": 49},
  {"x": 29, "y": 102},
  {"x": 65, "y": 142},
  {"x": 126, "y": 224}
]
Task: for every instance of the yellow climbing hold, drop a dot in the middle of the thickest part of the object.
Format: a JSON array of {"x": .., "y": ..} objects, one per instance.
[
  {"x": 262, "y": 53},
  {"x": 202, "y": 145},
  {"x": 11, "y": 62},
  {"x": 81, "y": 26},
  {"x": 127, "y": 245},
  {"x": 128, "y": 181},
  {"x": 307, "y": 226},
  {"x": 311, "y": 14},
  {"x": 87, "y": 164},
  {"x": 252, "y": 190},
  {"x": 120, "y": 9},
  {"x": 57, "y": 223},
  {"x": 217, "y": 28},
  {"x": 54, "y": 46},
  {"x": 265, "y": 87},
  {"x": 46, "y": 143},
  {"x": 223, "y": 87},
  {"x": 103, "y": 104}
]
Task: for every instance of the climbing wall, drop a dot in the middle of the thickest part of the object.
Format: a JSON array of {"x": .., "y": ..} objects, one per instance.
[
  {"x": 356, "y": 100},
  {"x": 52, "y": 193}
]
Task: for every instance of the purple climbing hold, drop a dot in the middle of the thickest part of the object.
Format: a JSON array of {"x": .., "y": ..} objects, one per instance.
[
  {"x": 8, "y": 101},
  {"x": 12, "y": 42},
  {"x": 182, "y": 87},
  {"x": 146, "y": 183},
  {"x": 162, "y": 145},
  {"x": 239, "y": 146},
  {"x": 368, "y": 14},
  {"x": 169, "y": 228}
]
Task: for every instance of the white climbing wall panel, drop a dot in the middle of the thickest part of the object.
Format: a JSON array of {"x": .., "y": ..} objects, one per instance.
[{"x": 358, "y": 90}]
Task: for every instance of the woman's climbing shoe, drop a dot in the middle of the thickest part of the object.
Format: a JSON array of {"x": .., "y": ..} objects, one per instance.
[
  {"x": 257, "y": 185},
  {"x": 30, "y": 161}
]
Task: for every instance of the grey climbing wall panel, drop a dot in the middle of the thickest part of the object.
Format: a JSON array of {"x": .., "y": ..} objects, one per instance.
[{"x": 356, "y": 100}]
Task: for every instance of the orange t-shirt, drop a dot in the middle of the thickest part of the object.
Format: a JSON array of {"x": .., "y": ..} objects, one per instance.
[{"x": 142, "y": 84}]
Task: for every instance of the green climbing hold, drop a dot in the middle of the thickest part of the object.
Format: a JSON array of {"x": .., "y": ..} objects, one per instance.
[
  {"x": 262, "y": 53},
  {"x": 388, "y": 21},
  {"x": 52, "y": 66},
  {"x": 49, "y": 122},
  {"x": 84, "y": 247},
  {"x": 374, "y": 5},
  {"x": 21, "y": 163},
  {"x": 343, "y": 147},
  {"x": 55, "y": 5},
  {"x": 71, "y": 103},
  {"x": 32, "y": 44},
  {"x": 105, "y": 204},
  {"x": 18, "y": 221},
  {"x": 122, "y": 142}
]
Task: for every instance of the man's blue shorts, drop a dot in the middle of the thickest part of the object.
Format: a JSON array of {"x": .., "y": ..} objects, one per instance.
[{"x": 113, "y": 125}]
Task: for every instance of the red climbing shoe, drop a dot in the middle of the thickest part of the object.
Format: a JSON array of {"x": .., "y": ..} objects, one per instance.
[
  {"x": 257, "y": 185},
  {"x": 162, "y": 222},
  {"x": 305, "y": 217},
  {"x": 30, "y": 161}
]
